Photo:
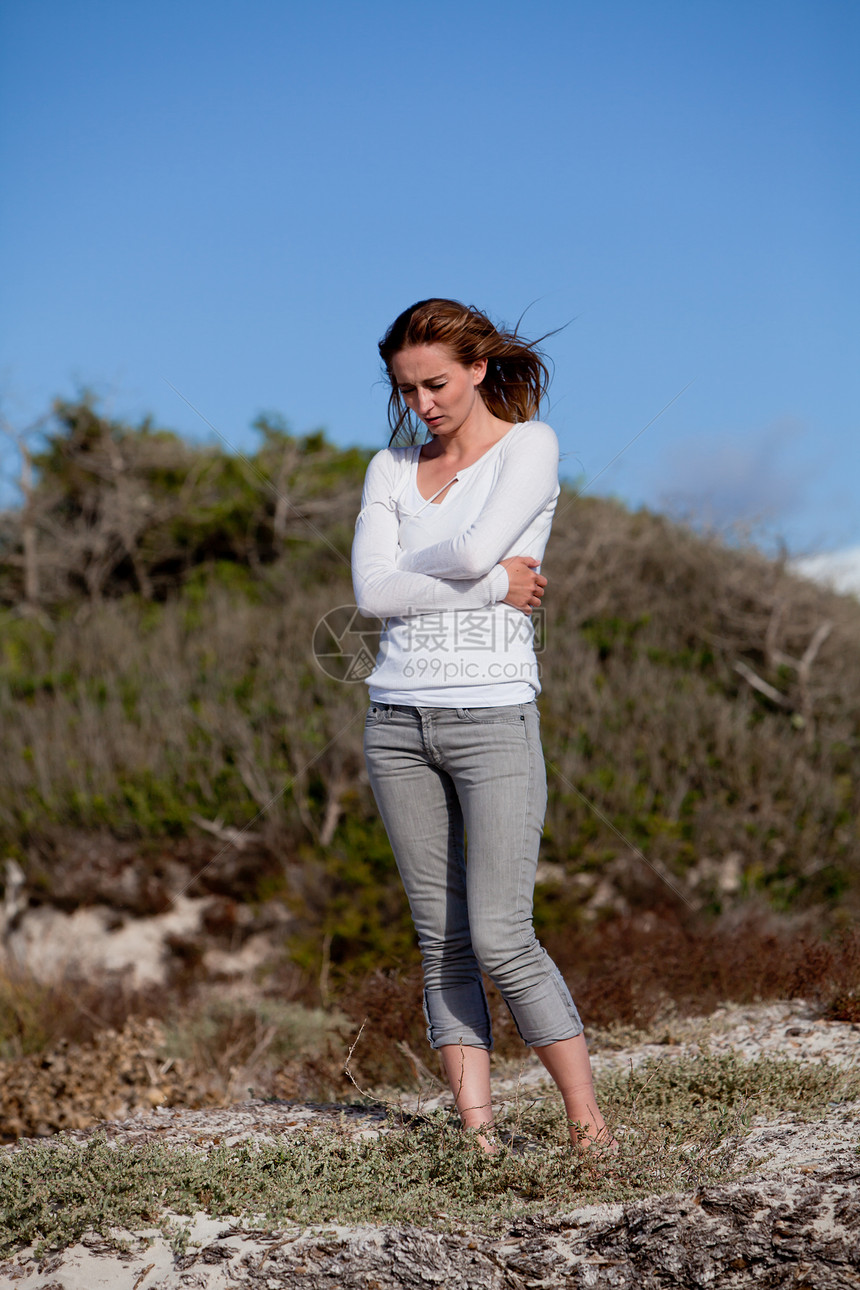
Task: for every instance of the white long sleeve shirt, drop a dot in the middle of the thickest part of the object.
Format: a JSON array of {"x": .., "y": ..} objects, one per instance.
[{"x": 432, "y": 571}]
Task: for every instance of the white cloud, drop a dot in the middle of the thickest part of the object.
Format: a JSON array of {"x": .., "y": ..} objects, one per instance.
[{"x": 837, "y": 569}]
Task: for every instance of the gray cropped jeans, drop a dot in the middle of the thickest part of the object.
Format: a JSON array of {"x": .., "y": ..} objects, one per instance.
[{"x": 441, "y": 776}]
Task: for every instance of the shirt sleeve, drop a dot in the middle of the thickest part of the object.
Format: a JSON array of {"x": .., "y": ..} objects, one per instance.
[
  {"x": 381, "y": 589},
  {"x": 527, "y": 482}
]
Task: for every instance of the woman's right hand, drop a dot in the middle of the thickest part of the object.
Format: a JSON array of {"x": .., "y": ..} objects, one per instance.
[{"x": 525, "y": 587}]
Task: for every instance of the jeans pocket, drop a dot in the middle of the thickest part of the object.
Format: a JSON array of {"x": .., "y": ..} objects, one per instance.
[{"x": 494, "y": 716}]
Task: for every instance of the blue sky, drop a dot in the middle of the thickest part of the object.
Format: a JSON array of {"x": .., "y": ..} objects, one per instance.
[{"x": 238, "y": 199}]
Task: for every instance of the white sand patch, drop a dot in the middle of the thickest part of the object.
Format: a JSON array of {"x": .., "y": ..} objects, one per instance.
[{"x": 49, "y": 944}]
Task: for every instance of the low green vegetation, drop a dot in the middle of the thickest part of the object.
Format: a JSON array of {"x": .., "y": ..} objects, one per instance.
[{"x": 679, "y": 1125}]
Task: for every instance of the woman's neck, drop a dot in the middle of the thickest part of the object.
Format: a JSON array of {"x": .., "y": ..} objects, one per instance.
[{"x": 471, "y": 439}]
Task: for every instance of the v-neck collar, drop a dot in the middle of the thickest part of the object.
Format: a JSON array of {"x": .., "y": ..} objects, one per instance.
[{"x": 417, "y": 457}]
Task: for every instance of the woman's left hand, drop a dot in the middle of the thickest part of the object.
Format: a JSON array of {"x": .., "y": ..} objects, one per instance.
[{"x": 525, "y": 586}]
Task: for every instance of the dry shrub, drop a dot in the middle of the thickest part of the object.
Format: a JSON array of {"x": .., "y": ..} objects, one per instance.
[
  {"x": 262, "y": 1046},
  {"x": 386, "y": 1007},
  {"x": 631, "y": 969},
  {"x": 844, "y": 1007},
  {"x": 627, "y": 972},
  {"x": 86, "y": 1051},
  {"x": 219, "y": 1048},
  {"x": 110, "y": 508},
  {"x": 35, "y": 1016},
  {"x": 113, "y": 1077},
  {"x": 705, "y": 700}
]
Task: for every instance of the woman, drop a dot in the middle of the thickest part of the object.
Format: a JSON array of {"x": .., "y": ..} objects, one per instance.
[{"x": 447, "y": 549}]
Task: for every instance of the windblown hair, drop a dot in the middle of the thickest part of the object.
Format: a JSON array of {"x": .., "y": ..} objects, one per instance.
[{"x": 517, "y": 377}]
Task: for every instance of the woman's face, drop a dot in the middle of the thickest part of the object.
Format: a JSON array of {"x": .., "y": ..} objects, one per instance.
[{"x": 439, "y": 390}]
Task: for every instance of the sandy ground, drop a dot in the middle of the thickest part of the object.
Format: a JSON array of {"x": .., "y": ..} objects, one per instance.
[{"x": 806, "y": 1173}]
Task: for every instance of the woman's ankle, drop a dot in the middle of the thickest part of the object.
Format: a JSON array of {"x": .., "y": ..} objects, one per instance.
[
  {"x": 591, "y": 1132},
  {"x": 484, "y": 1136}
]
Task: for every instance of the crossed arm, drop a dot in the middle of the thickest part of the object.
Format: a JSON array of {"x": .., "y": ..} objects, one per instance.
[
  {"x": 381, "y": 589},
  {"x": 466, "y": 572},
  {"x": 527, "y": 481}
]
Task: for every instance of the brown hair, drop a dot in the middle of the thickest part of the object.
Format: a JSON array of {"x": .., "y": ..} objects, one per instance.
[{"x": 517, "y": 376}]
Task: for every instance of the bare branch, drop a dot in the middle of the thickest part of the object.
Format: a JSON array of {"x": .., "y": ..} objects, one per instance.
[
  {"x": 758, "y": 684},
  {"x": 238, "y": 838}
]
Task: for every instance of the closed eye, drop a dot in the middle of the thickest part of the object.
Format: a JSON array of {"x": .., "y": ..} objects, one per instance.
[{"x": 429, "y": 385}]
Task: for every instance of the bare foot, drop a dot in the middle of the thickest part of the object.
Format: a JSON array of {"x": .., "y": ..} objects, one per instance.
[
  {"x": 483, "y": 1136},
  {"x": 586, "y": 1138},
  {"x": 489, "y": 1145}
]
